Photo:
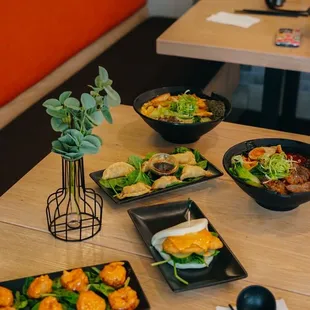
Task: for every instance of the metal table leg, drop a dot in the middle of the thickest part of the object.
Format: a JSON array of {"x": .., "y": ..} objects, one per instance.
[
  {"x": 273, "y": 82},
  {"x": 290, "y": 97}
]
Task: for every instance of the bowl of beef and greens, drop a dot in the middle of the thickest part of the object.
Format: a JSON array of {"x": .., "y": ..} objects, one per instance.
[
  {"x": 181, "y": 114},
  {"x": 274, "y": 172}
]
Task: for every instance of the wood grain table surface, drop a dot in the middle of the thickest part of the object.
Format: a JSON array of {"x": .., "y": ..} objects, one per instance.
[
  {"x": 192, "y": 36},
  {"x": 273, "y": 247}
]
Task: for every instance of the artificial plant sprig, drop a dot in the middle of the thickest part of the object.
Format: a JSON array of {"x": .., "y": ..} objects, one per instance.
[{"x": 75, "y": 119}]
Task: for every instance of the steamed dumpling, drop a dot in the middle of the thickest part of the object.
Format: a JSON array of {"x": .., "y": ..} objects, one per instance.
[
  {"x": 164, "y": 181},
  {"x": 187, "y": 158},
  {"x": 145, "y": 166},
  {"x": 134, "y": 190},
  {"x": 193, "y": 172},
  {"x": 117, "y": 170}
]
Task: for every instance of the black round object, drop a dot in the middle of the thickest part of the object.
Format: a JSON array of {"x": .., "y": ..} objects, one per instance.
[
  {"x": 266, "y": 198},
  {"x": 272, "y": 4},
  {"x": 256, "y": 297},
  {"x": 176, "y": 132}
]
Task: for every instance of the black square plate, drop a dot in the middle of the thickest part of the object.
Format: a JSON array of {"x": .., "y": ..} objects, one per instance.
[
  {"x": 96, "y": 176},
  {"x": 225, "y": 267},
  {"x": 17, "y": 284}
]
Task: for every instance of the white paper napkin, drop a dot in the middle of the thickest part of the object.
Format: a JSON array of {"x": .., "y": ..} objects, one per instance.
[
  {"x": 281, "y": 305},
  {"x": 239, "y": 20}
]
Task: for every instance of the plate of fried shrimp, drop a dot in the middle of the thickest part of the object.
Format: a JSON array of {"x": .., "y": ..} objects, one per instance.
[{"x": 110, "y": 286}]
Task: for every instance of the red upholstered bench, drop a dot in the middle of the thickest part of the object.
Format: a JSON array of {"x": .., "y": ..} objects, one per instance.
[
  {"x": 38, "y": 36},
  {"x": 134, "y": 66}
]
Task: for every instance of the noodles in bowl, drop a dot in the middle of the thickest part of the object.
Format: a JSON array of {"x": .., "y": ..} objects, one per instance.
[
  {"x": 179, "y": 115},
  {"x": 184, "y": 108}
]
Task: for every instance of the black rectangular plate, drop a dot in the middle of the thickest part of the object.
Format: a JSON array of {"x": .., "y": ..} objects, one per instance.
[
  {"x": 225, "y": 267},
  {"x": 17, "y": 284},
  {"x": 96, "y": 176}
]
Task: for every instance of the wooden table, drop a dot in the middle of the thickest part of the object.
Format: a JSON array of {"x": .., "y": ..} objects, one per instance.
[
  {"x": 273, "y": 247},
  {"x": 192, "y": 36}
]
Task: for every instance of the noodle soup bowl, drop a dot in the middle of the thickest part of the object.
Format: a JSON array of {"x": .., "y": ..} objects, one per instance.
[
  {"x": 264, "y": 197},
  {"x": 179, "y": 132}
]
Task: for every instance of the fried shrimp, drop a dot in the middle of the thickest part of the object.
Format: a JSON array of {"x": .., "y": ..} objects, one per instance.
[
  {"x": 90, "y": 301},
  {"x": 75, "y": 280},
  {"x": 124, "y": 299},
  {"x": 50, "y": 303},
  {"x": 114, "y": 274},
  {"x": 6, "y": 297},
  {"x": 40, "y": 285}
]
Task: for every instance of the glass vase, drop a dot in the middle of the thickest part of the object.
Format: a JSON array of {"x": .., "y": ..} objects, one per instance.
[{"x": 71, "y": 183}]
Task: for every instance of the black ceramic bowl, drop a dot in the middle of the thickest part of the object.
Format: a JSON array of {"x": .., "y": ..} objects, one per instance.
[
  {"x": 267, "y": 198},
  {"x": 256, "y": 297},
  {"x": 176, "y": 132}
]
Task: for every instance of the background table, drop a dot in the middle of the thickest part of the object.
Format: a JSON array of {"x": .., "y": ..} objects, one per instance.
[
  {"x": 273, "y": 247},
  {"x": 192, "y": 36}
]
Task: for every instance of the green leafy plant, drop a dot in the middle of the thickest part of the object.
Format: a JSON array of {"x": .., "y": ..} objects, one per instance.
[{"x": 75, "y": 119}]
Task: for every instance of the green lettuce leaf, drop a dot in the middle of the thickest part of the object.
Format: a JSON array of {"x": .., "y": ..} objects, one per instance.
[
  {"x": 135, "y": 161},
  {"x": 117, "y": 183},
  {"x": 203, "y": 164},
  {"x": 193, "y": 258},
  {"x": 181, "y": 149},
  {"x": 102, "y": 288}
]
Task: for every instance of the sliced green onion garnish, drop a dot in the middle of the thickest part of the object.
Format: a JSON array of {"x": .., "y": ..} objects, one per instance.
[
  {"x": 160, "y": 263},
  {"x": 177, "y": 276},
  {"x": 276, "y": 166}
]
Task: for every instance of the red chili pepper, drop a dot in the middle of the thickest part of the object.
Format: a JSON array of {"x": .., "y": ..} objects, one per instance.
[{"x": 296, "y": 157}]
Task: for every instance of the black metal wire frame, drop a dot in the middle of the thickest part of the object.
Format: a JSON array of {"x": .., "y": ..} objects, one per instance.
[{"x": 73, "y": 212}]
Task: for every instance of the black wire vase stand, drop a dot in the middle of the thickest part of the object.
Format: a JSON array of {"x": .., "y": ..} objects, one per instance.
[{"x": 74, "y": 212}]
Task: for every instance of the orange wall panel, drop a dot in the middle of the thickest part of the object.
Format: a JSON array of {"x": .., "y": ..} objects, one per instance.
[{"x": 37, "y": 36}]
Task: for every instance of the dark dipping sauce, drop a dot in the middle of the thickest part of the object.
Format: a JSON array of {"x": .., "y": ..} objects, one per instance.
[{"x": 163, "y": 166}]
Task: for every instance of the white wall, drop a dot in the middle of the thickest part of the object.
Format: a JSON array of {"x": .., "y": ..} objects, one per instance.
[{"x": 168, "y": 8}]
